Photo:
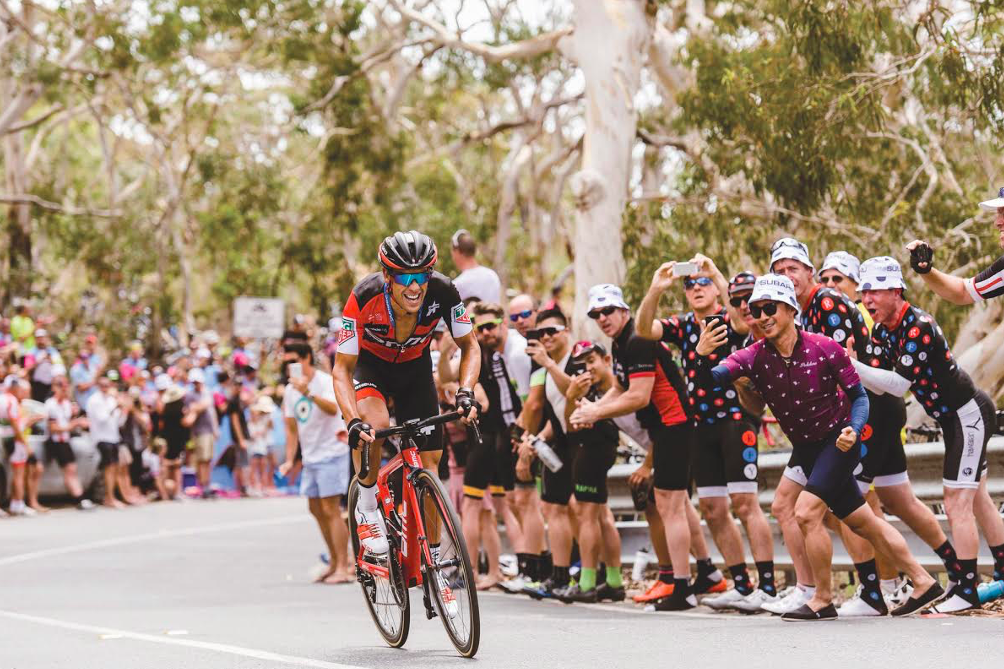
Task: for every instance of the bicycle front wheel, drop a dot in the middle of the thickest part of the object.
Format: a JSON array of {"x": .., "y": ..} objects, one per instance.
[
  {"x": 390, "y": 610},
  {"x": 451, "y": 580}
]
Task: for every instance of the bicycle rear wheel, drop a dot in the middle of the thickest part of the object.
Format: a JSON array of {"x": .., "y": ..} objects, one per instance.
[
  {"x": 389, "y": 609},
  {"x": 452, "y": 581}
]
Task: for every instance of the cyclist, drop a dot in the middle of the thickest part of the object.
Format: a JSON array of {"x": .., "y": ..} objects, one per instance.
[
  {"x": 801, "y": 376},
  {"x": 383, "y": 355},
  {"x": 912, "y": 343},
  {"x": 725, "y": 454}
]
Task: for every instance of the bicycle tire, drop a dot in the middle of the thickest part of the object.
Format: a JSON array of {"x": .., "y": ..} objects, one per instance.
[
  {"x": 427, "y": 484},
  {"x": 394, "y": 635}
]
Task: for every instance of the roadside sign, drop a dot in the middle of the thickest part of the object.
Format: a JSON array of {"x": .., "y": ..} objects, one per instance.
[{"x": 259, "y": 317}]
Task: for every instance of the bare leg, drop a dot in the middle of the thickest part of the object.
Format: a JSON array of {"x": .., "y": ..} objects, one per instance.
[
  {"x": 109, "y": 474},
  {"x": 988, "y": 516},
  {"x": 559, "y": 532},
  {"x": 338, "y": 532},
  {"x": 611, "y": 539},
  {"x": 783, "y": 509},
  {"x": 746, "y": 507},
  {"x": 34, "y": 478},
  {"x": 504, "y": 509},
  {"x": 672, "y": 505},
  {"x": 531, "y": 519},
  {"x": 715, "y": 511},
  {"x": 657, "y": 534},
  {"x": 316, "y": 507},
  {"x": 698, "y": 546},
  {"x": 902, "y": 503},
  {"x": 493, "y": 548},
  {"x": 887, "y": 540},
  {"x": 809, "y": 513},
  {"x": 72, "y": 481},
  {"x": 590, "y": 533},
  {"x": 959, "y": 503}
]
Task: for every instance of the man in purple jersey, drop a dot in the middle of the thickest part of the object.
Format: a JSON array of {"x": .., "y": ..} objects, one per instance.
[{"x": 811, "y": 386}]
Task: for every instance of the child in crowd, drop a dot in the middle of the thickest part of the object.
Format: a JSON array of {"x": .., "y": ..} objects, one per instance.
[{"x": 260, "y": 428}]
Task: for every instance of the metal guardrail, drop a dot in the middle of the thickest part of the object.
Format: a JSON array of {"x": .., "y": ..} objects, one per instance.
[{"x": 924, "y": 462}]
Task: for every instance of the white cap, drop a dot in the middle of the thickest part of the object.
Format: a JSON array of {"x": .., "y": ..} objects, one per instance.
[
  {"x": 774, "y": 288},
  {"x": 203, "y": 353},
  {"x": 994, "y": 204},
  {"x": 211, "y": 337},
  {"x": 195, "y": 375},
  {"x": 789, "y": 247},
  {"x": 12, "y": 380},
  {"x": 162, "y": 382},
  {"x": 881, "y": 273},
  {"x": 845, "y": 263},
  {"x": 606, "y": 295}
]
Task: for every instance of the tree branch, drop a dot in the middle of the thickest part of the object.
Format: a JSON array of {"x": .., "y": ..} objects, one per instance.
[{"x": 70, "y": 210}]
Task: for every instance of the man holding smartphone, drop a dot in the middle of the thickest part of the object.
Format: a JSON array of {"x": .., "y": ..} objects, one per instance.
[{"x": 725, "y": 444}]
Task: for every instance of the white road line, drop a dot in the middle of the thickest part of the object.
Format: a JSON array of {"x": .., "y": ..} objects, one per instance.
[
  {"x": 109, "y": 633},
  {"x": 150, "y": 536}
]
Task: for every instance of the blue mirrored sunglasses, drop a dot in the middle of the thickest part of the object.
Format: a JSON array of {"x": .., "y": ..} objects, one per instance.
[
  {"x": 699, "y": 281},
  {"x": 520, "y": 314},
  {"x": 406, "y": 279}
]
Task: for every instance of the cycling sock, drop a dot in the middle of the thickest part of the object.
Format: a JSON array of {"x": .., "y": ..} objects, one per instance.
[
  {"x": 367, "y": 498},
  {"x": 947, "y": 554},
  {"x": 868, "y": 575},
  {"x": 766, "y": 572},
  {"x": 998, "y": 553},
  {"x": 666, "y": 573},
  {"x": 587, "y": 578},
  {"x": 681, "y": 587},
  {"x": 706, "y": 568},
  {"x": 967, "y": 581},
  {"x": 546, "y": 564},
  {"x": 560, "y": 575},
  {"x": 741, "y": 579},
  {"x": 523, "y": 563},
  {"x": 614, "y": 579}
]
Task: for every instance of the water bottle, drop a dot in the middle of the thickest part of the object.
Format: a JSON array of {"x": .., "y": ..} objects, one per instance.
[
  {"x": 641, "y": 560},
  {"x": 547, "y": 454},
  {"x": 988, "y": 592}
]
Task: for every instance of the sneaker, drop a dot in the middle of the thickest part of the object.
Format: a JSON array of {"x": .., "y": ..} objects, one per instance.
[
  {"x": 958, "y": 600},
  {"x": 796, "y": 598},
  {"x": 608, "y": 593},
  {"x": 898, "y": 595},
  {"x": 22, "y": 510},
  {"x": 805, "y": 614},
  {"x": 705, "y": 586},
  {"x": 676, "y": 602},
  {"x": 859, "y": 607},
  {"x": 572, "y": 593},
  {"x": 508, "y": 565},
  {"x": 446, "y": 596},
  {"x": 515, "y": 584},
  {"x": 541, "y": 589},
  {"x": 371, "y": 531},
  {"x": 754, "y": 602},
  {"x": 726, "y": 600},
  {"x": 656, "y": 591},
  {"x": 85, "y": 505}
]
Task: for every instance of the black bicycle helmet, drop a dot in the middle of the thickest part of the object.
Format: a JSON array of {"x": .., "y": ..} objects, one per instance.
[{"x": 408, "y": 252}]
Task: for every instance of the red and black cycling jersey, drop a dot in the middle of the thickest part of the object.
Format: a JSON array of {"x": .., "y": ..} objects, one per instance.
[
  {"x": 917, "y": 350},
  {"x": 368, "y": 320},
  {"x": 636, "y": 357},
  {"x": 707, "y": 405},
  {"x": 988, "y": 283},
  {"x": 831, "y": 313}
]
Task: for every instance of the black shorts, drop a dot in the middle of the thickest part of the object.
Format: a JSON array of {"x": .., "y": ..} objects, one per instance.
[
  {"x": 60, "y": 451},
  {"x": 883, "y": 460},
  {"x": 556, "y": 487},
  {"x": 109, "y": 453},
  {"x": 966, "y": 433},
  {"x": 725, "y": 458},
  {"x": 489, "y": 466},
  {"x": 409, "y": 384},
  {"x": 672, "y": 446},
  {"x": 828, "y": 473},
  {"x": 590, "y": 463}
]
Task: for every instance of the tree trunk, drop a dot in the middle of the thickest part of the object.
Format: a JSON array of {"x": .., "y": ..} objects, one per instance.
[
  {"x": 18, "y": 222},
  {"x": 609, "y": 43}
]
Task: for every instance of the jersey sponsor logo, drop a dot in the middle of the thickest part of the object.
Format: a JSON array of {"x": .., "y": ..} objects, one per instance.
[
  {"x": 460, "y": 314},
  {"x": 750, "y": 471},
  {"x": 392, "y": 343},
  {"x": 749, "y": 438},
  {"x": 348, "y": 330},
  {"x": 749, "y": 454},
  {"x": 866, "y": 434},
  {"x": 432, "y": 309},
  {"x": 826, "y": 304},
  {"x": 302, "y": 409}
]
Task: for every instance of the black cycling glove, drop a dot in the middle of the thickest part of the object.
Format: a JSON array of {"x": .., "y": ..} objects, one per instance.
[
  {"x": 922, "y": 258},
  {"x": 465, "y": 400},
  {"x": 356, "y": 428}
]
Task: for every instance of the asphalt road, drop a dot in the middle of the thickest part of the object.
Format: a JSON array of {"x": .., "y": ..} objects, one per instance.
[{"x": 221, "y": 584}]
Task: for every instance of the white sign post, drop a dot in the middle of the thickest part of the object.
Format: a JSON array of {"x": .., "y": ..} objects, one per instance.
[{"x": 259, "y": 317}]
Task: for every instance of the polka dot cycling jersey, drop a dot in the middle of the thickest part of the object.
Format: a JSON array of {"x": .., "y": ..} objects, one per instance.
[
  {"x": 917, "y": 350},
  {"x": 832, "y": 313},
  {"x": 707, "y": 404}
]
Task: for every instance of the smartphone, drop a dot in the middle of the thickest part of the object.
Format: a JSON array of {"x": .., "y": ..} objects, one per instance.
[
  {"x": 516, "y": 432},
  {"x": 711, "y": 322},
  {"x": 684, "y": 269},
  {"x": 532, "y": 335},
  {"x": 295, "y": 370}
]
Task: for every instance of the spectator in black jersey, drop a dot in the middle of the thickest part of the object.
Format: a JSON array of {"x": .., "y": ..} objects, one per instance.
[
  {"x": 593, "y": 451},
  {"x": 987, "y": 284},
  {"x": 725, "y": 456},
  {"x": 914, "y": 346},
  {"x": 650, "y": 383}
]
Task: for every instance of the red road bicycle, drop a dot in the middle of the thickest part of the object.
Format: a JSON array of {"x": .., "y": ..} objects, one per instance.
[{"x": 447, "y": 583}]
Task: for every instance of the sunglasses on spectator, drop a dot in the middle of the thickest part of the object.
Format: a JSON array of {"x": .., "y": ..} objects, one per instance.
[
  {"x": 488, "y": 325},
  {"x": 406, "y": 279},
  {"x": 548, "y": 331},
  {"x": 605, "y": 311},
  {"x": 737, "y": 302},
  {"x": 789, "y": 243},
  {"x": 768, "y": 309},
  {"x": 689, "y": 283},
  {"x": 836, "y": 279},
  {"x": 520, "y": 315}
]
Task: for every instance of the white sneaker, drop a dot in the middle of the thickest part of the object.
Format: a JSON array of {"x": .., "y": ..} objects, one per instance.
[
  {"x": 898, "y": 595},
  {"x": 372, "y": 532},
  {"x": 447, "y": 597},
  {"x": 755, "y": 601},
  {"x": 22, "y": 510},
  {"x": 857, "y": 607},
  {"x": 726, "y": 600},
  {"x": 515, "y": 584},
  {"x": 953, "y": 604},
  {"x": 85, "y": 505},
  {"x": 793, "y": 600}
]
